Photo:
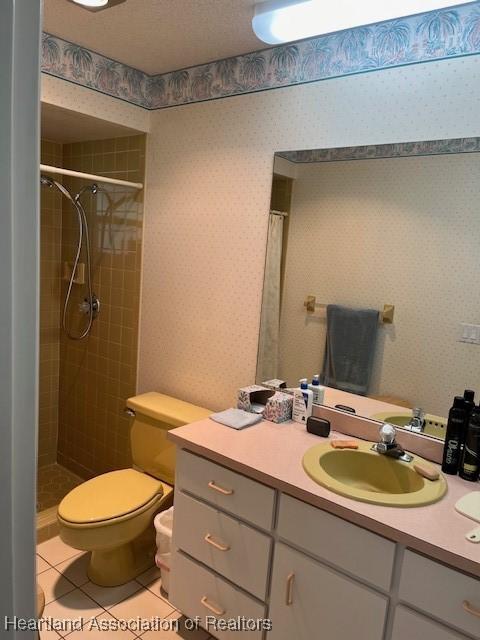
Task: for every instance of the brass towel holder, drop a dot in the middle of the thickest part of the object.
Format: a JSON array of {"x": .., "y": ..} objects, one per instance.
[{"x": 386, "y": 316}]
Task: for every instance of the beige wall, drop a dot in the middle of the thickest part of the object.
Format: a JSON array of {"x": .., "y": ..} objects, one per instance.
[
  {"x": 209, "y": 170},
  {"x": 50, "y": 294},
  {"x": 401, "y": 231}
]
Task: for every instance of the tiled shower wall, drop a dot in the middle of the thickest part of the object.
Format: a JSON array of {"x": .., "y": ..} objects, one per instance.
[
  {"x": 50, "y": 286},
  {"x": 98, "y": 374}
]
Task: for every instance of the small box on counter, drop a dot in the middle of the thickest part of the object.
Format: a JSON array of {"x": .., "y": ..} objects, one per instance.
[
  {"x": 279, "y": 407},
  {"x": 254, "y": 398},
  {"x": 275, "y": 384}
]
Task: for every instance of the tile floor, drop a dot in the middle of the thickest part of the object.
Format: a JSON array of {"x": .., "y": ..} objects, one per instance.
[
  {"x": 53, "y": 484},
  {"x": 62, "y": 574}
]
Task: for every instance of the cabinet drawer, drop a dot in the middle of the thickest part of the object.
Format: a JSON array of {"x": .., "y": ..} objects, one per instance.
[
  {"x": 310, "y": 601},
  {"x": 195, "y": 591},
  {"x": 440, "y": 591},
  {"x": 226, "y": 489},
  {"x": 409, "y": 625},
  {"x": 223, "y": 543},
  {"x": 351, "y": 548}
]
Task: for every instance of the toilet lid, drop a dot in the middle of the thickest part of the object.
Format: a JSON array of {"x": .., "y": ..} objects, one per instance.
[{"x": 109, "y": 496}]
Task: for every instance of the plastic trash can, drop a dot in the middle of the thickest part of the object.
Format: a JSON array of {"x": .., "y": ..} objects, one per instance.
[{"x": 163, "y": 523}]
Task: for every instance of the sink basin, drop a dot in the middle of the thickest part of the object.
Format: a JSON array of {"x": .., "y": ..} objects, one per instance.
[
  {"x": 367, "y": 476},
  {"x": 435, "y": 426}
]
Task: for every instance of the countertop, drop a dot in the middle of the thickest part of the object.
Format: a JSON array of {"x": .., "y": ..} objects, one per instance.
[{"x": 272, "y": 453}]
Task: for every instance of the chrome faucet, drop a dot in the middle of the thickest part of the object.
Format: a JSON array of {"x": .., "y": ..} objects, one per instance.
[
  {"x": 388, "y": 445},
  {"x": 417, "y": 421}
]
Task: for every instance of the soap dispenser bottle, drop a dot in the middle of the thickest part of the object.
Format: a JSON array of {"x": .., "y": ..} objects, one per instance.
[
  {"x": 317, "y": 390},
  {"x": 454, "y": 437},
  {"x": 302, "y": 402},
  {"x": 470, "y": 463}
]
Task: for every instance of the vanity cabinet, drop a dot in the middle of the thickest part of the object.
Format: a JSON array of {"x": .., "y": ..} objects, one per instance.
[
  {"x": 410, "y": 625},
  {"x": 241, "y": 548},
  {"x": 309, "y": 600}
]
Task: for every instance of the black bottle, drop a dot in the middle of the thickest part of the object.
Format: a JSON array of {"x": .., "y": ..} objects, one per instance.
[
  {"x": 470, "y": 463},
  {"x": 469, "y": 402},
  {"x": 454, "y": 437}
]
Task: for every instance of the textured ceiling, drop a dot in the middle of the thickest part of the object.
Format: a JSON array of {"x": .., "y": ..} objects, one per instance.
[{"x": 158, "y": 35}]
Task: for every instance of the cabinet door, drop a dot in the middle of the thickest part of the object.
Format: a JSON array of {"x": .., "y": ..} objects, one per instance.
[
  {"x": 409, "y": 625},
  {"x": 310, "y": 601}
]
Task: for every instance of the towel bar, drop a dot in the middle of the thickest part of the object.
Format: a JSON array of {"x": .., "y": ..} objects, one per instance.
[{"x": 386, "y": 316}]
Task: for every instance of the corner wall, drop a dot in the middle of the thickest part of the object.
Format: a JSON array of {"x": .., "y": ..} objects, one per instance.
[{"x": 209, "y": 172}]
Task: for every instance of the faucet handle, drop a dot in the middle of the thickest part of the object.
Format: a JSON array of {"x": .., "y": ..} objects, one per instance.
[{"x": 387, "y": 433}]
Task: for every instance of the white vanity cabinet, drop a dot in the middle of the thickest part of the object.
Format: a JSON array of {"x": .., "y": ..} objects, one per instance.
[
  {"x": 309, "y": 600},
  {"x": 410, "y": 625},
  {"x": 241, "y": 548}
]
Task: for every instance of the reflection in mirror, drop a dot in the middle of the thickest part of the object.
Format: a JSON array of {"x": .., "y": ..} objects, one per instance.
[{"x": 371, "y": 278}]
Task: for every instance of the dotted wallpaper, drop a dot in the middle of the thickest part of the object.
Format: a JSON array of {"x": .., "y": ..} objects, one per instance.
[
  {"x": 400, "y": 231},
  {"x": 82, "y": 100},
  {"x": 209, "y": 172}
]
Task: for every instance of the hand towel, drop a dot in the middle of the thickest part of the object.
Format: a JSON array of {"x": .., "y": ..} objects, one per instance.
[
  {"x": 236, "y": 418},
  {"x": 350, "y": 348}
]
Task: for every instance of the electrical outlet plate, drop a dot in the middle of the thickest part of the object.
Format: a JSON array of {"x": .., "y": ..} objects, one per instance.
[{"x": 469, "y": 333}]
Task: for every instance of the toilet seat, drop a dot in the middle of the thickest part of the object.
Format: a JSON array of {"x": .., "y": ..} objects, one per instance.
[{"x": 109, "y": 497}]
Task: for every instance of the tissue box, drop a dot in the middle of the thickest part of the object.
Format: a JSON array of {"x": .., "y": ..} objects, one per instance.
[
  {"x": 253, "y": 398},
  {"x": 275, "y": 384},
  {"x": 279, "y": 407}
]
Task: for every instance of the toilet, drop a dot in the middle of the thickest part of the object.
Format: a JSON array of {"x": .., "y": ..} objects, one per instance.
[{"x": 112, "y": 515}]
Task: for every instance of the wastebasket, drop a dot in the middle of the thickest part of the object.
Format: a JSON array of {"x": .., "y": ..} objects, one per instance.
[{"x": 163, "y": 523}]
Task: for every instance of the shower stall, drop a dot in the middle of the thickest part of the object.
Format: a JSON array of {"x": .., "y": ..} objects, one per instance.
[{"x": 90, "y": 239}]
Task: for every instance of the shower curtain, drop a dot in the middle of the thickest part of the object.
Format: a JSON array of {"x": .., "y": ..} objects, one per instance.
[{"x": 267, "y": 366}]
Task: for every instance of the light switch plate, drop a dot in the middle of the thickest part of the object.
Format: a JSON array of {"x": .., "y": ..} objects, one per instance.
[{"x": 469, "y": 333}]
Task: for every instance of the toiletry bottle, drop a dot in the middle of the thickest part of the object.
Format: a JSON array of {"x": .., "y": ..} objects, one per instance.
[
  {"x": 317, "y": 390},
  {"x": 454, "y": 436},
  {"x": 470, "y": 463},
  {"x": 469, "y": 401},
  {"x": 302, "y": 402}
]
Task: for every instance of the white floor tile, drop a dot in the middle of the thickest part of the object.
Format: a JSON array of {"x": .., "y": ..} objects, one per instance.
[
  {"x": 148, "y": 576},
  {"x": 143, "y": 604},
  {"x": 55, "y": 551},
  {"x": 107, "y": 597},
  {"x": 156, "y": 588},
  {"x": 54, "y": 585},
  {"x": 42, "y": 565},
  {"x": 96, "y": 631},
  {"x": 179, "y": 632},
  {"x": 73, "y": 606},
  {"x": 75, "y": 569},
  {"x": 49, "y": 634}
]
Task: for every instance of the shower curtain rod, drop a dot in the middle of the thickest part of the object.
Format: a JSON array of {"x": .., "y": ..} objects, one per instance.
[{"x": 89, "y": 176}]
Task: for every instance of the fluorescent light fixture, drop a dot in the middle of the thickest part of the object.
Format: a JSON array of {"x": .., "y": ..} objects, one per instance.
[
  {"x": 278, "y": 21},
  {"x": 91, "y": 3}
]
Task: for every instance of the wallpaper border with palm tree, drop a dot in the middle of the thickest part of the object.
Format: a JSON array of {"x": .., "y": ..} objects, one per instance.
[
  {"x": 436, "y": 35},
  {"x": 394, "y": 150}
]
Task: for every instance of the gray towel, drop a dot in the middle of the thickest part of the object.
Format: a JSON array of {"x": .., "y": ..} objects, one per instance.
[
  {"x": 236, "y": 418},
  {"x": 350, "y": 348}
]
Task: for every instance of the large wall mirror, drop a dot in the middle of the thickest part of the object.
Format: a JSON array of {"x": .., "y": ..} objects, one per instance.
[{"x": 372, "y": 277}]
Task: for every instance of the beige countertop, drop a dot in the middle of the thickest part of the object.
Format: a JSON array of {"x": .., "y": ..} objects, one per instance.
[{"x": 272, "y": 453}]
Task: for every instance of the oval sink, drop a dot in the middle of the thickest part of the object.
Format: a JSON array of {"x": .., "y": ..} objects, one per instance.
[
  {"x": 435, "y": 426},
  {"x": 365, "y": 475}
]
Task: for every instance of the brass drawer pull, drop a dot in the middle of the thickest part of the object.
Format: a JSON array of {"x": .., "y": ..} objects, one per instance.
[
  {"x": 217, "y": 545},
  {"x": 471, "y": 609},
  {"x": 211, "y": 607},
  {"x": 289, "y": 596},
  {"x": 224, "y": 492}
]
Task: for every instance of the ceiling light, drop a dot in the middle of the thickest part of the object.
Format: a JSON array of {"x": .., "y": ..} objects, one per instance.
[
  {"x": 91, "y": 3},
  {"x": 277, "y": 21},
  {"x": 97, "y": 5}
]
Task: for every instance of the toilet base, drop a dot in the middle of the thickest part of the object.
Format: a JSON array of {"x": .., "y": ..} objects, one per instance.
[{"x": 114, "y": 567}]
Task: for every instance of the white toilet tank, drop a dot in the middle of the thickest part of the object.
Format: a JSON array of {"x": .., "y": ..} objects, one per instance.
[{"x": 153, "y": 414}]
